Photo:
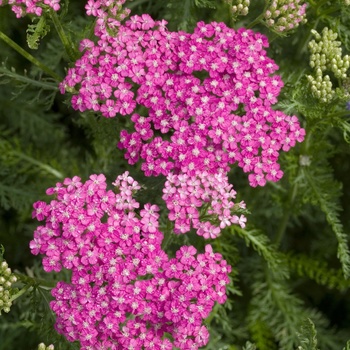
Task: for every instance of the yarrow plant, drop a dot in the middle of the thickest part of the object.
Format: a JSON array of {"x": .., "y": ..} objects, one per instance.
[
  {"x": 189, "y": 99},
  {"x": 209, "y": 93},
  {"x": 125, "y": 292}
]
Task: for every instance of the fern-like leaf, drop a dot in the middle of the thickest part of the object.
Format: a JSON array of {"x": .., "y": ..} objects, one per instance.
[
  {"x": 205, "y": 3},
  {"x": 308, "y": 336},
  {"x": 249, "y": 346},
  {"x": 36, "y": 32},
  {"x": 319, "y": 186},
  {"x": 277, "y": 308},
  {"x": 264, "y": 247},
  {"x": 262, "y": 336},
  {"x": 318, "y": 271}
]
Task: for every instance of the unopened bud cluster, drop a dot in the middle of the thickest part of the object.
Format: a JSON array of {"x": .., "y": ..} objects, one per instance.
[
  {"x": 285, "y": 15},
  {"x": 326, "y": 55},
  {"x": 42, "y": 346},
  {"x": 6, "y": 281},
  {"x": 239, "y": 7}
]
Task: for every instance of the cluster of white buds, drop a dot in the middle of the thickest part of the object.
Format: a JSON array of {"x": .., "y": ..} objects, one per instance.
[
  {"x": 240, "y": 7},
  {"x": 326, "y": 55},
  {"x": 7, "y": 278},
  {"x": 285, "y": 15},
  {"x": 346, "y": 2},
  {"x": 42, "y": 346}
]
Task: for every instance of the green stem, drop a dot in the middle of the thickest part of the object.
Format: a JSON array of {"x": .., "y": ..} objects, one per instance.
[
  {"x": 32, "y": 281},
  {"x": 320, "y": 4},
  {"x": 260, "y": 17},
  {"x": 212, "y": 314},
  {"x": 168, "y": 235},
  {"x": 25, "y": 79},
  {"x": 21, "y": 292},
  {"x": 47, "y": 303},
  {"x": 71, "y": 50},
  {"x": 29, "y": 57},
  {"x": 187, "y": 10},
  {"x": 256, "y": 21},
  {"x": 232, "y": 18},
  {"x": 287, "y": 213},
  {"x": 303, "y": 43},
  {"x": 136, "y": 3},
  {"x": 329, "y": 11},
  {"x": 338, "y": 115},
  {"x": 291, "y": 196},
  {"x": 46, "y": 167}
]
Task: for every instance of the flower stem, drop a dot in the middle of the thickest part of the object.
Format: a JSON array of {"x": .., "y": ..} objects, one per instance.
[
  {"x": 41, "y": 165},
  {"x": 259, "y": 18},
  {"x": 21, "y": 292},
  {"x": 25, "y": 79},
  {"x": 256, "y": 21},
  {"x": 286, "y": 216},
  {"x": 29, "y": 57},
  {"x": 32, "y": 281},
  {"x": 70, "y": 48},
  {"x": 292, "y": 194},
  {"x": 305, "y": 41}
]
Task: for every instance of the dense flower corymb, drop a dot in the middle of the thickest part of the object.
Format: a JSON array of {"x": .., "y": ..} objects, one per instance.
[
  {"x": 125, "y": 292},
  {"x": 204, "y": 194},
  {"x": 7, "y": 278},
  {"x": 23, "y": 7},
  {"x": 208, "y": 94},
  {"x": 284, "y": 15}
]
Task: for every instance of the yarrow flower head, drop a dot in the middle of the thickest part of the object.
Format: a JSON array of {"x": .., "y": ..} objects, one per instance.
[
  {"x": 7, "y": 278},
  {"x": 191, "y": 199},
  {"x": 239, "y": 7},
  {"x": 23, "y": 7},
  {"x": 209, "y": 97},
  {"x": 109, "y": 15},
  {"x": 285, "y": 15},
  {"x": 326, "y": 56},
  {"x": 124, "y": 292}
]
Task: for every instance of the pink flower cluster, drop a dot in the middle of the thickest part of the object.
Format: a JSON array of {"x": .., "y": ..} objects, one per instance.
[
  {"x": 22, "y": 7},
  {"x": 208, "y": 97},
  {"x": 109, "y": 13},
  {"x": 284, "y": 15},
  {"x": 203, "y": 202},
  {"x": 125, "y": 292}
]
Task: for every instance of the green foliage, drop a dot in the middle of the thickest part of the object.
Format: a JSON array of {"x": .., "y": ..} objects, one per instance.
[
  {"x": 262, "y": 336},
  {"x": 206, "y": 3},
  {"x": 308, "y": 336},
  {"x": 264, "y": 247},
  {"x": 290, "y": 261},
  {"x": 249, "y": 346},
  {"x": 40, "y": 90},
  {"x": 31, "y": 319},
  {"x": 318, "y": 271},
  {"x": 347, "y": 346},
  {"x": 274, "y": 311},
  {"x": 185, "y": 17},
  {"x": 323, "y": 190},
  {"x": 36, "y": 32}
]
